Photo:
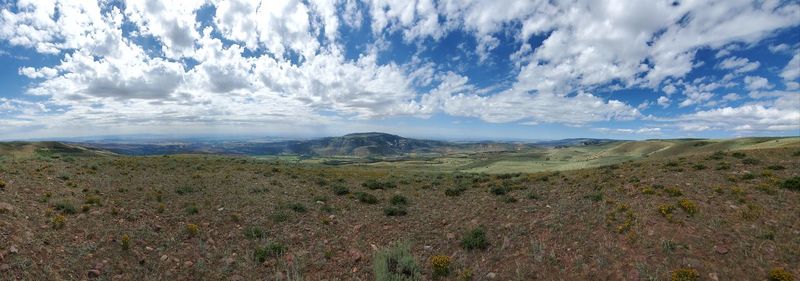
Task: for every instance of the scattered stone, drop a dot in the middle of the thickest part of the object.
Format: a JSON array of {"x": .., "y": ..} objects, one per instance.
[
  {"x": 427, "y": 248},
  {"x": 188, "y": 264},
  {"x": 13, "y": 250},
  {"x": 491, "y": 275},
  {"x": 355, "y": 255},
  {"x": 4, "y": 267},
  {"x": 451, "y": 235},
  {"x": 320, "y": 202},
  {"x": 6, "y": 208},
  {"x": 374, "y": 247},
  {"x": 93, "y": 273},
  {"x": 357, "y": 228},
  {"x": 713, "y": 276},
  {"x": 164, "y": 258},
  {"x": 721, "y": 250}
]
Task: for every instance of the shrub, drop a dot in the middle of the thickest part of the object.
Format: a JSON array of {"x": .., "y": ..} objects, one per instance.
[
  {"x": 699, "y": 167},
  {"x": 253, "y": 232},
  {"x": 648, "y": 191},
  {"x": 186, "y": 189},
  {"x": 718, "y": 155},
  {"x": 92, "y": 200},
  {"x": 596, "y": 197},
  {"x": 2, "y": 184},
  {"x": 748, "y": 176},
  {"x": 751, "y": 212},
  {"x": 399, "y": 200},
  {"x": 279, "y": 216},
  {"x": 340, "y": 189},
  {"x": 192, "y": 209},
  {"x": 776, "y": 167},
  {"x": 192, "y": 229},
  {"x": 666, "y": 210},
  {"x": 533, "y": 196},
  {"x": 85, "y": 208},
  {"x": 396, "y": 264},
  {"x": 58, "y": 221},
  {"x": 298, "y": 207},
  {"x": 508, "y": 199},
  {"x": 475, "y": 239},
  {"x": 685, "y": 274},
  {"x": 779, "y": 274},
  {"x": 673, "y": 191},
  {"x": 375, "y": 184},
  {"x": 273, "y": 249},
  {"x": 688, "y": 206},
  {"x": 750, "y": 161},
  {"x": 440, "y": 265},
  {"x": 738, "y": 155},
  {"x": 792, "y": 184},
  {"x": 65, "y": 207},
  {"x": 723, "y": 166},
  {"x": 394, "y": 211},
  {"x": 500, "y": 190},
  {"x": 454, "y": 191},
  {"x": 367, "y": 198},
  {"x": 125, "y": 242}
]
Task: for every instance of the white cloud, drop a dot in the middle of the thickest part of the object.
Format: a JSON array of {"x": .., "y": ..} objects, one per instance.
[
  {"x": 753, "y": 83},
  {"x": 791, "y": 71},
  {"x": 155, "y": 62},
  {"x": 663, "y": 101},
  {"x": 738, "y": 65}
]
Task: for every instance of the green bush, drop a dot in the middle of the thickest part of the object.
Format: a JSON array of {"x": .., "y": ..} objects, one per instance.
[
  {"x": 499, "y": 190},
  {"x": 375, "y": 184},
  {"x": 253, "y": 232},
  {"x": 792, "y": 184},
  {"x": 395, "y": 211},
  {"x": 396, "y": 264},
  {"x": 273, "y": 250},
  {"x": 673, "y": 191},
  {"x": 454, "y": 191},
  {"x": 475, "y": 239},
  {"x": 399, "y": 200},
  {"x": 66, "y": 207},
  {"x": 738, "y": 155},
  {"x": 186, "y": 189},
  {"x": 750, "y": 161},
  {"x": 340, "y": 189},
  {"x": 367, "y": 198}
]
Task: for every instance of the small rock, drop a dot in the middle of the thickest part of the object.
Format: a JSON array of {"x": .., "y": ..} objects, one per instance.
[
  {"x": 358, "y": 227},
  {"x": 721, "y": 250},
  {"x": 355, "y": 255},
  {"x": 713, "y": 276},
  {"x": 451, "y": 235},
  {"x": 6, "y": 208},
  {"x": 98, "y": 266},
  {"x": 331, "y": 217},
  {"x": 374, "y": 247},
  {"x": 13, "y": 250},
  {"x": 4, "y": 267},
  {"x": 148, "y": 248},
  {"x": 427, "y": 248},
  {"x": 491, "y": 275},
  {"x": 93, "y": 273},
  {"x": 188, "y": 264},
  {"x": 320, "y": 202},
  {"x": 164, "y": 258}
]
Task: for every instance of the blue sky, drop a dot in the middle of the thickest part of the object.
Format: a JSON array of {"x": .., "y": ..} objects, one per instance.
[{"x": 435, "y": 69}]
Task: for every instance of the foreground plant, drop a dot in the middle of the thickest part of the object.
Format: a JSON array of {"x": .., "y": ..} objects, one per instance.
[
  {"x": 440, "y": 265},
  {"x": 396, "y": 264}
]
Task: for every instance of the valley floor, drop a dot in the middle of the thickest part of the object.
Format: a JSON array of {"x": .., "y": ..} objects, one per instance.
[{"x": 723, "y": 216}]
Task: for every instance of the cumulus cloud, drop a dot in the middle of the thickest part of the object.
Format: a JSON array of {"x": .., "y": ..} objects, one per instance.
[{"x": 242, "y": 62}]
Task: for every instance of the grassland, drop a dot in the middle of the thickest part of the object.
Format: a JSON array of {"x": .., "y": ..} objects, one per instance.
[{"x": 724, "y": 215}]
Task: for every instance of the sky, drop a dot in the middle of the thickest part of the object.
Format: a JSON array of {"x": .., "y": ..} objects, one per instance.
[{"x": 449, "y": 69}]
